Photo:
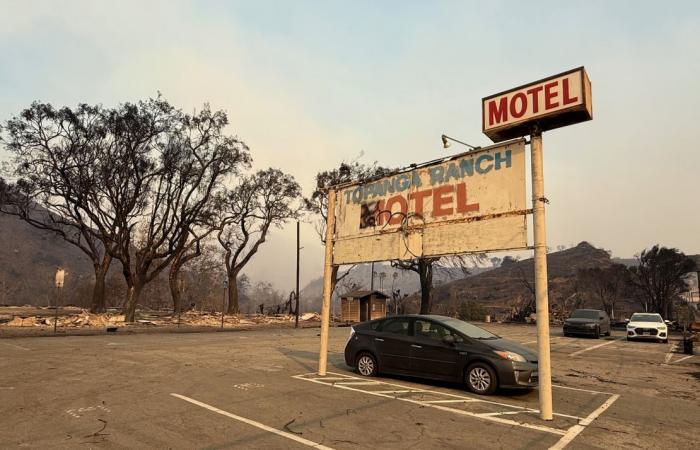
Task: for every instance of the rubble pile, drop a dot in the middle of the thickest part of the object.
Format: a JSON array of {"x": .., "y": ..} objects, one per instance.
[
  {"x": 84, "y": 319},
  {"x": 189, "y": 318}
]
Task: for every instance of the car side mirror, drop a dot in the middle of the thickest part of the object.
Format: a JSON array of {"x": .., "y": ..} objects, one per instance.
[{"x": 449, "y": 339}]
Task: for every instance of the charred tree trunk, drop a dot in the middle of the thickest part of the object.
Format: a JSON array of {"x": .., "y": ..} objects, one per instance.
[
  {"x": 174, "y": 283},
  {"x": 132, "y": 300},
  {"x": 233, "y": 306},
  {"x": 98, "y": 304},
  {"x": 425, "y": 273}
]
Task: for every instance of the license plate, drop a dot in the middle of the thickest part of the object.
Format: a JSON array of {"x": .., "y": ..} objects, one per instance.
[
  {"x": 646, "y": 333},
  {"x": 534, "y": 376}
]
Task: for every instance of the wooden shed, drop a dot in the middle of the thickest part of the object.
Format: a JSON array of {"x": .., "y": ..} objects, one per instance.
[{"x": 360, "y": 306}]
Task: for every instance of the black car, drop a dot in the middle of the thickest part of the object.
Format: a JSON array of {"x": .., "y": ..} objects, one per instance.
[
  {"x": 590, "y": 322},
  {"x": 440, "y": 348}
]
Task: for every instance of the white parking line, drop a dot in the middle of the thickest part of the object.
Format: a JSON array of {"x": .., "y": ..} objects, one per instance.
[
  {"x": 682, "y": 359},
  {"x": 567, "y": 434},
  {"x": 17, "y": 346},
  {"x": 593, "y": 347},
  {"x": 432, "y": 404},
  {"x": 578, "y": 428},
  {"x": 290, "y": 436},
  {"x": 452, "y": 401}
]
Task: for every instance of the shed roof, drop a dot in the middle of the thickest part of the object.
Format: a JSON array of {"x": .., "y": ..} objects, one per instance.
[{"x": 363, "y": 294}]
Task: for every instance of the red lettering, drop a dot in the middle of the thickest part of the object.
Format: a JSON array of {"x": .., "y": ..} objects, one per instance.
[
  {"x": 498, "y": 114},
  {"x": 441, "y": 199},
  {"x": 534, "y": 94},
  {"x": 523, "y": 105},
  {"x": 419, "y": 196},
  {"x": 462, "y": 205},
  {"x": 381, "y": 214},
  {"x": 565, "y": 91},
  {"x": 396, "y": 219},
  {"x": 549, "y": 95}
]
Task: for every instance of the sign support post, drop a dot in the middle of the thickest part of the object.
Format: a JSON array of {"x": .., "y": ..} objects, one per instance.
[
  {"x": 327, "y": 274},
  {"x": 541, "y": 290}
]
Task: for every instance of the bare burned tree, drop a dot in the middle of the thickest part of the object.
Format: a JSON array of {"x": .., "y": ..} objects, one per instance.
[
  {"x": 318, "y": 202},
  {"x": 185, "y": 166},
  {"x": 55, "y": 160},
  {"x": 605, "y": 285},
  {"x": 191, "y": 250},
  {"x": 426, "y": 268},
  {"x": 247, "y": 212},
  {"x": 660, "y": 277}
]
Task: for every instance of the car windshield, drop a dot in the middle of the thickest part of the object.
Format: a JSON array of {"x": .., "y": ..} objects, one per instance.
[
  {"x": 468, "y": 329},
  {"x": 646, "y": 318},
  {"x": 584, "y": 314}
]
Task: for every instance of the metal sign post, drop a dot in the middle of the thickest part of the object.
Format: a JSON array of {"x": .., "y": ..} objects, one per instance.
[
  {"x": 541, "y": 290},
  {"x": 327, "y": 273},
  {"x": 59, "y": 280},
  {"x": 223, "y": 304},
  {"x": 553, "y": 102}
]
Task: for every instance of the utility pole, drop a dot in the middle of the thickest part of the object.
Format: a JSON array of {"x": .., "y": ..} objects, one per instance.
[
  {"x": 296, "y": 292},
  {"x": 371, "y": 284},
  {"x": 541, "y": 289}
]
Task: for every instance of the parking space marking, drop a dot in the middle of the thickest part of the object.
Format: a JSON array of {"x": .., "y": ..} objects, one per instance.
[
  {"x": 17, "y": 346},
  {"x": 74, "y": 411},
  {"x": 593, "y": 347},
  {"x": 578, "y": 428},
  {"x": 452, "y": 401},
  {"x": 432, "y": 404},
  {"x": 253, "y": 423},
  {"x": 581, "y": 390},
  {"x": 395, "y": 392},
  {"x": 682, "y": 359}
]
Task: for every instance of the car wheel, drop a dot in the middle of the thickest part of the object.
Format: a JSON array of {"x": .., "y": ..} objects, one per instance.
[
  {"x": 366, "y": 365},
  {"x": 609, "y": 332},
  {"x": 665, "y": 341},
  {"x": 567, "y": 334},
  {"x": 481, "y": 379},
  {"x": 597, "y": 333}
]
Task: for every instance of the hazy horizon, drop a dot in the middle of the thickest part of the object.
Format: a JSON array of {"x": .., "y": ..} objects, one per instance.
[{"x": 308, "y": 84}]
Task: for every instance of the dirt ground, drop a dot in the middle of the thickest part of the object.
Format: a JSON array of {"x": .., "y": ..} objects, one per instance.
[{"x": 258, "y": 390}]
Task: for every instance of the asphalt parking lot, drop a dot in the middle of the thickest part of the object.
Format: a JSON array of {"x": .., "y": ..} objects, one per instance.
[{"x": 258, "y": 389}]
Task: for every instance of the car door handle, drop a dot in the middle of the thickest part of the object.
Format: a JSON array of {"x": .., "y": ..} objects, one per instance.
[
  {"x": 416, "y": 346},
  {"x": 380, "y": 340}
]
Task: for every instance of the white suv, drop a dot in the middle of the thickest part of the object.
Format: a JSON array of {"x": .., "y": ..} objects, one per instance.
[{"x": 647, "y": 326}]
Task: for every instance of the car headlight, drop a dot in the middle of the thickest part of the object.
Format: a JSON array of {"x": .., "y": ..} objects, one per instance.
[
  {"x": 661, "y": 328},
  {"x": 630, "y": 327},
  {"x": 510, "y": 356},
  {"x": 591, "y": 325}
]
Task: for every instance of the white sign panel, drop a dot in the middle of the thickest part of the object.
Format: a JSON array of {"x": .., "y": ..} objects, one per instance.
[
  {"x": 471, "y": 202},
  {"x": 554, "y": 102}
]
